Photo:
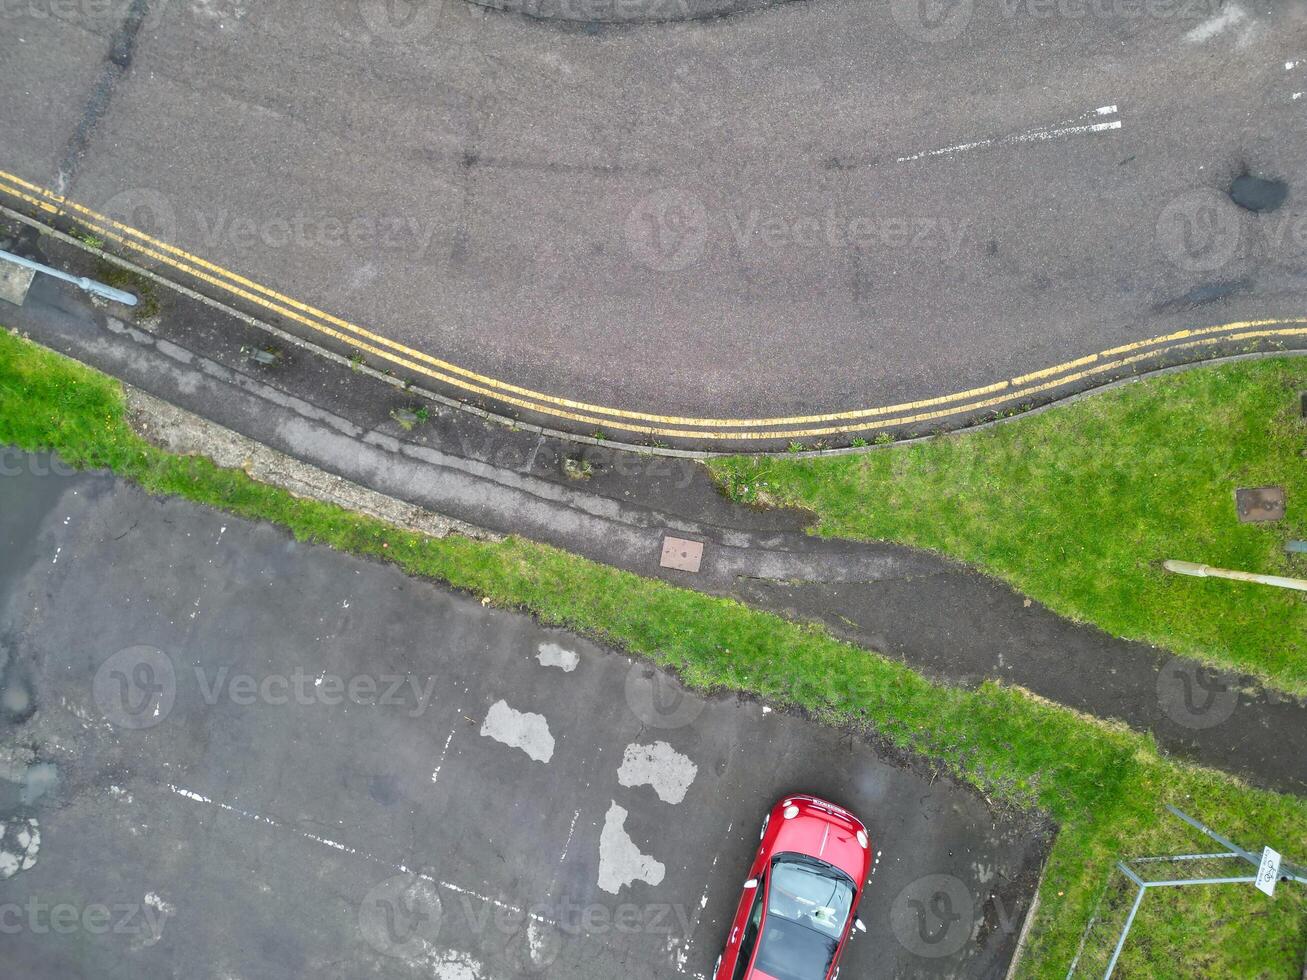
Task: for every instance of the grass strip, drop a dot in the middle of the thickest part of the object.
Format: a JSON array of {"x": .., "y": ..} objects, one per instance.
[
  {"x": 1078, "y": 506},
  {"x": 1103, "y": 784}
]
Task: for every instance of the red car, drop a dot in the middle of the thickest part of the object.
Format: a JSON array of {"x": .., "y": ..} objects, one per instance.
[{"x": 797, "y": 910}]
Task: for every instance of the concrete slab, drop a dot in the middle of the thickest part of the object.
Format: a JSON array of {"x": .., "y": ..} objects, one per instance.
[
  {"x": 266, "y": 760},
  {"x": 15, "y": 280}
]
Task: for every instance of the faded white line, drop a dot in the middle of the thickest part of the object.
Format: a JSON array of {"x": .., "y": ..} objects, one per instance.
[
  {"x": 1210, "y": 28},
  {"x": 440, "y": 764},
  {"x": 703, "y": 902},
  {"x": 1039, "y": 135},
  {"x": 336, "y": 845},
  {"x": 570, "y": 831}
]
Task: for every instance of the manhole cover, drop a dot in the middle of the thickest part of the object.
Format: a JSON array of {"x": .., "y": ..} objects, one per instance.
[
  {"x": 682, "y": 554},
  {"x": 1259, "y": 504}
]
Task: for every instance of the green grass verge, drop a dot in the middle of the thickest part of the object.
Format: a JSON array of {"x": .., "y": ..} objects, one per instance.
[
  {"x": 1104, "y": 785},
  {"x": 1077, "y": 507}
]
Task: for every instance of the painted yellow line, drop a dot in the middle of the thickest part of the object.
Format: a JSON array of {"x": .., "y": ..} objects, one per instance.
[
  {"x": 1057, "y": 369},
  {"x": 1014, "y": 395},
  {"x": 97, "y": 222},
  {"x": 601, "y": 416}
]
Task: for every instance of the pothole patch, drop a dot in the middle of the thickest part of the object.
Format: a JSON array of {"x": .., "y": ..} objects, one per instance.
[
  {"x": 20, "y": 842},
  {"x": 620, "y": 861},
  {"x": 1258, "y": 193}
]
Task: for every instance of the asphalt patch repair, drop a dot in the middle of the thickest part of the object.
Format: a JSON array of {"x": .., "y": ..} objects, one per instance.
[
  {"x": 1258, "y": 193},
  {"x": 278, "y": 760}
]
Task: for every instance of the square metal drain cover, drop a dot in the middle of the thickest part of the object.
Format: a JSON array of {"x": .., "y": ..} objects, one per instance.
[
  {"x": 682, "y": 554},
  {"x": 1259, "y": 504}
]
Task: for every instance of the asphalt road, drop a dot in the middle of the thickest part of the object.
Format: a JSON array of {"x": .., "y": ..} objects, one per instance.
[
  {"x": 731, "y": 218},
  {"x": 225, "y": 754}
]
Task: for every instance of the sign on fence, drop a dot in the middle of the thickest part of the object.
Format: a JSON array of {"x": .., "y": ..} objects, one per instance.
[{"x": 1269, "y": 872}]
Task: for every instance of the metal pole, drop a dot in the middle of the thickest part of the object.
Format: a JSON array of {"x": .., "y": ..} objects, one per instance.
[
  {"x": 1125, "y": 931},
  {"x": 1288, "y": 872},
  {"x": 81, "y": 282},
  {"x": 1200, "y": 826},
  {"x": 1207, "y": 571}
]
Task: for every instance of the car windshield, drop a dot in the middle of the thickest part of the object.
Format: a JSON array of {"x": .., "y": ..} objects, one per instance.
[{"x": 808, "y": 906}]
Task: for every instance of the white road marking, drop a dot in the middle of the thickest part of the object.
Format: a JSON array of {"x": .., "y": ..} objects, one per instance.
[
  {"x": 523, "y": 730},
  {"x": 401, "y": 868},
  {"x": 455, "y": 966},
  {"x": 1071, "y": 127},
  {"x": 620, "y": 861},
  {"x": 570, "y": 831},
  {"x": 552, "y": 655},
  {"x": 660, "y": 766},
  {"x": 703, "y": 902},
  {"x": 440, "y": 764},
  {"x": 156, "y": 922},
  {"x": 1210, "y": 28}
]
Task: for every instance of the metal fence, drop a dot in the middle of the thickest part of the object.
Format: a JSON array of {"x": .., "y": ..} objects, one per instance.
[{"x": 1132, "y": 879}]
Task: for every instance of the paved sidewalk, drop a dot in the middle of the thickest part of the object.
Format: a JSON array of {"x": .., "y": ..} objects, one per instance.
[{"x": 932, "y": 613}]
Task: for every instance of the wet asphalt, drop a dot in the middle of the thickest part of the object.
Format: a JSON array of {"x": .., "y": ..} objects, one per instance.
[{"x": 249, "y": 757}]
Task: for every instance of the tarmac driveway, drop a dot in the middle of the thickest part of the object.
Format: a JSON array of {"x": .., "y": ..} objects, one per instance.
[{"x": 227, "y": 754}]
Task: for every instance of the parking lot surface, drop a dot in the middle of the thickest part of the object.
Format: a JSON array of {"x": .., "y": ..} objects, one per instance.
[{"x": 228, "y": 754}]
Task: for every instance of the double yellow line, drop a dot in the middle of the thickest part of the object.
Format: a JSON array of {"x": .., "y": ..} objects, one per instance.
[{"x": 645, "y": 424}]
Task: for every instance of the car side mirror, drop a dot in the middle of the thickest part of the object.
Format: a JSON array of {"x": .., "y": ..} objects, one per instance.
[
  {"x": 857, "y": 924},
  {"x": 751, "y": 883}
]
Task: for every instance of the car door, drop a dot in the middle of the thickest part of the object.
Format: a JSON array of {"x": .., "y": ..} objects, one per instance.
[{"x": 752, "y": 927}]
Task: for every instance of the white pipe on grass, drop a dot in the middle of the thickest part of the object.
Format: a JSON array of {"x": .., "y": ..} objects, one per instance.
[{"x": 1207, "y": 571}]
